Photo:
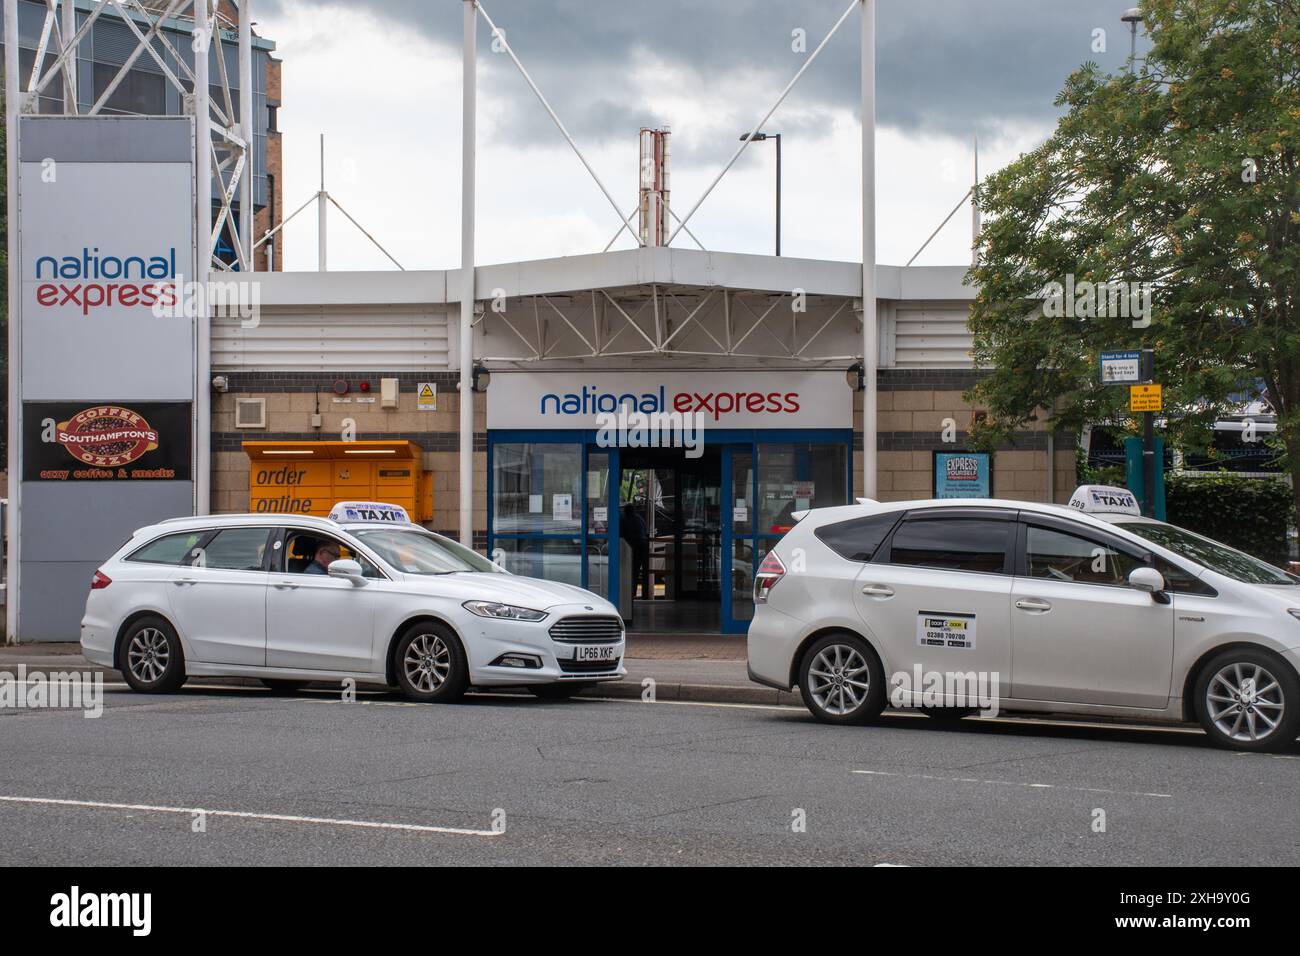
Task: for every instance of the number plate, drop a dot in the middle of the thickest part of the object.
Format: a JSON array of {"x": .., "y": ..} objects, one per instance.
[{"x": 595, "y": 652}]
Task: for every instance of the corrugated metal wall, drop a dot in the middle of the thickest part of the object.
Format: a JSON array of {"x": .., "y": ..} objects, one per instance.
[
  {"x": 932, "y": 335},
  {"x": 320, "y": 338}
]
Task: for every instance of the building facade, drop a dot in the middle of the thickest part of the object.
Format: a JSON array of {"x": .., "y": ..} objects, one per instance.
[{"x": 758, "y": 352}]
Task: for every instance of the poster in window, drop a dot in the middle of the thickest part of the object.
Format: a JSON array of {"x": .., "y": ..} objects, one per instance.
[{"x": 963, "y": 474}]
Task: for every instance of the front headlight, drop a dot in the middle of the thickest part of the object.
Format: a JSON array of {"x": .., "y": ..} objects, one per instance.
[{"x": 509, "y": 612}]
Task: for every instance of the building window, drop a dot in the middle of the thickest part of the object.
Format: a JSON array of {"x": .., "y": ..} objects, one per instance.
[
  {"x": 139, "y": 92},
  {"x": 51, "y": 99}
]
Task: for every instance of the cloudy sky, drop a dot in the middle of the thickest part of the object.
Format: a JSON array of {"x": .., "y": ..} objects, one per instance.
[{"x": 381, "y": 80}]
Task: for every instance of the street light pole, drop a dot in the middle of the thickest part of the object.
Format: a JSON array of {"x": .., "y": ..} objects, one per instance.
[{"x": 763, "y": 137}]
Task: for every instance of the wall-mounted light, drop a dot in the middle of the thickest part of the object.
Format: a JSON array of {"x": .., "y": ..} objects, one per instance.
[
  {"x": 854, "y": 377},
  {"x": 340, "y": 386},
  {"x": 481, "y": 379}
]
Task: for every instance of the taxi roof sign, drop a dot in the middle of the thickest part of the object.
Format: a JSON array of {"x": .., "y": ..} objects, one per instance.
[
  {"x": 1104, "y": 499},
  {"x": 369, "y": 511}
]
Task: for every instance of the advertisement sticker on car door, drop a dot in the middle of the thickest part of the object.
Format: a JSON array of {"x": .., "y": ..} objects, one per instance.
[{"x": 945, "y": 629}]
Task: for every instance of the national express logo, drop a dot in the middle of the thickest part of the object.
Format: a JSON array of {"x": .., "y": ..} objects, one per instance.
[
  {"x": 107, "y": 436},
  {"x": 592, "y": 401},
  {"x": 92, "y": 281}
]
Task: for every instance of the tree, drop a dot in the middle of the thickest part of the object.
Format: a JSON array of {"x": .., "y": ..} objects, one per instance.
[{"x": 1179, "y": 179}]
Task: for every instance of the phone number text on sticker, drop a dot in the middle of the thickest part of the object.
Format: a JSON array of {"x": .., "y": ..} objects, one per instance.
[{"x": 945, "y": 629}]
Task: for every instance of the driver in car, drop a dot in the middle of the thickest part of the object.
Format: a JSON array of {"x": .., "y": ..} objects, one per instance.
[{"x": 326, "y": 554}]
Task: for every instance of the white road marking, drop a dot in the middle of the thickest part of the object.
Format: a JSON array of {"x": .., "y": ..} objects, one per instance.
[
  {"x": 1012, "y": 783},
  {"x": 245, "y": 815}
]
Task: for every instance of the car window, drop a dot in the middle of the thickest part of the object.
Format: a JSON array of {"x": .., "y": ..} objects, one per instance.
[
  {"x": 953, "y": 544},
  {"x": 858, "y": 538},
  {"x": 234, "y": 549},
  {"x": 301, "y": 547},
  {"x": 1212, "y": 554},
  {"x": 1059, "y": 556},
  {"x": 416, "y": 551},
  {"x": 169, "y": 549},
  {"x": 1181, "y": 581}
]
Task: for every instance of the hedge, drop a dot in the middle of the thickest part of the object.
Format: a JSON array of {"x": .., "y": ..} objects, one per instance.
[{"x": 1251, "y": 514}]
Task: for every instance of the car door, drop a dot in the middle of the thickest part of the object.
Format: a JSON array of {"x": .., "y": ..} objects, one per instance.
[
  {"x": 936, "y": 595},
  {"x": 1080, "y": 634},
  {"x": 218, "y": 597},
  {"x": 314, "y": 621}
]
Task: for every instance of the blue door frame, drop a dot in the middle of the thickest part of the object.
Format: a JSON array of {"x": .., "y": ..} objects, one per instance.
[{"x": 730, "y": 441}]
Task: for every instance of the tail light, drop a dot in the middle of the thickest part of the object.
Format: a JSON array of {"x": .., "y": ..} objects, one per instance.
[
  {"x": 100, "y": 581},
  {"x": 769, "y": 572}
]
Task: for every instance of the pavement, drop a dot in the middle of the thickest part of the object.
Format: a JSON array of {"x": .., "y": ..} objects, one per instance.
[
  {"x": 217, "y": 774},
  {"x": 699, "y": 667}
]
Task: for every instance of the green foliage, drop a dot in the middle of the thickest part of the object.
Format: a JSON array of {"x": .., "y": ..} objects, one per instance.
[
  {"x": 1185, "y": 175},
  {"x": 1251, "y": 514}
]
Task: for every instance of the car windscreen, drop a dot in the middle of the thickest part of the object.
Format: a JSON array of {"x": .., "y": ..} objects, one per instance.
[
  {"x": 1217, "y": 557},
  {"x": 414, "y": 551}
]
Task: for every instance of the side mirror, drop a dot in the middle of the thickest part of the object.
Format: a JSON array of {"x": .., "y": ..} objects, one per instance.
[
  {"x": 1141, "y": 579},
  {"x": 346, "y": 568}
]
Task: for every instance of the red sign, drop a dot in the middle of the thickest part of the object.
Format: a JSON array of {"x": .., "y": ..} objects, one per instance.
[{"x": 107, "y": 436}]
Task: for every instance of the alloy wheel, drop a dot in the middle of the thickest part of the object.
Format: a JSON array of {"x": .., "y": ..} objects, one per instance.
[
  {"x": 427, "y": 662},
  {"x": 839, "y": 679},
  {"x": 148, "y": 655},
  {"x": 1245, "y": 702}
]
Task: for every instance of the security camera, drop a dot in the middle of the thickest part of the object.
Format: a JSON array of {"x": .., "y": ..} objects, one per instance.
[{"x": 220, "y": 383}]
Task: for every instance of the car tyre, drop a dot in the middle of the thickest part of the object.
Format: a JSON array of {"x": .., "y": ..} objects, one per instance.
[
  {"x": 151, "y": 657},
  {"x": 557, "y": 691},
  {"x": 1249, "y": 699},
  {"x": 841, "y": 680},
  {"x": 276, "y": 686},
  {"x": 430, "y": 664}
]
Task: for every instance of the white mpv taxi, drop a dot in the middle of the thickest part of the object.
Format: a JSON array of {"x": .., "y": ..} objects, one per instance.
[
  {"x": 1090, "y": 609},
  {"x": 364, "y": 594}
]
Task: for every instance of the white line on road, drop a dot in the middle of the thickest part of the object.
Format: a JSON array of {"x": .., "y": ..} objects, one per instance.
[
  {"x": 244, "y": 815},
  {"x": 1012, "y": 783}
]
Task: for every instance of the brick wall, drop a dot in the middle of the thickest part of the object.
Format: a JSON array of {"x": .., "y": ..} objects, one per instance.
[
  {"x": 914, "y": 408},
  {"x": 291, "y": 399}
]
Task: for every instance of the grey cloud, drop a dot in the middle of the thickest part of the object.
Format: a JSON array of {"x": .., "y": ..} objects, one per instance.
[{"x": 944, "y": 66}]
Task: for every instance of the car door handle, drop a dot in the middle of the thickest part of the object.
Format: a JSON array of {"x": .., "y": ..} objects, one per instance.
[
  {"x": 182, "y": 581},
  {"x": 878, "y": 590},
  {"x": 1034, "y": 605},
  {"x": 286, "y": 585}
]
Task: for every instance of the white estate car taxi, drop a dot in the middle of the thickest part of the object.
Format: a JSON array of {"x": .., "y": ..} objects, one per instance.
[
  {"x": 249, "y": 596},
  {"x": 1090, "y": 609}
]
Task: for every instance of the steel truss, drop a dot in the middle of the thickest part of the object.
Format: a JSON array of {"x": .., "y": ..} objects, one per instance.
[
  {"x": 600, "y": 320},
  {"x": 225, "y": 142}
]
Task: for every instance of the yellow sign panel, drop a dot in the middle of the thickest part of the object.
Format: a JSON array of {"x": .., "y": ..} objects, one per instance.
[
  {"x": 1144, "y": 398},
  {"x": 308, "y": 477}
]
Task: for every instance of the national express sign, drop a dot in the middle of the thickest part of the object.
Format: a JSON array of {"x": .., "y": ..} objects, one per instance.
[
  {"x": 103, "y": 442},
  {"x": 721, "y": 399}
]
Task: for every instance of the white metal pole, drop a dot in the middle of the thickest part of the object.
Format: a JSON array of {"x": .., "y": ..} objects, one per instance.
[
  {"x": 467, "y": 147},
  {"x": 322, "y": 244},
  {"x": 975, "y": 208},
  {"x": 870, "y": 343},
  {"x": 68, "y": 11},
  {"x": 13, "y": 518},
  {"x": 202, "y": 263},
  {"x": 246, "y": 95}
]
